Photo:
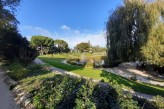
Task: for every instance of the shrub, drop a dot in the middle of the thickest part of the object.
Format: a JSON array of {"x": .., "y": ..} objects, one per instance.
[
  {"x": 66, "y": 92},
  {"x": 69, "y": 60},
  {"x": 17, "y": 71},
  {"x": 36, "y": 69},
  {"x": 84, "y": 98},
  {"x": 144, "y": 104},
  {"x": 159, "y": 102}
]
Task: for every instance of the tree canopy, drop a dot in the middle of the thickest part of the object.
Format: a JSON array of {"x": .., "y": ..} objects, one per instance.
[
  {"x": 135, "y": 31},
  {"x": 12, "y": 44},
  {"x": 98, "y": 49},
  {"x": 7, "y": 13},
  {"x": 42, "y": 43},
  {"x": 62, "y": 45},
  {"x": 83, "y": 47}
]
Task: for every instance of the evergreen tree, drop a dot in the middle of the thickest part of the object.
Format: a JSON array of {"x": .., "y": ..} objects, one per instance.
[
  {"x": 42, "y": 43},
  {"x": 12, "y": 44},
  {"x": 62, "y": 46}
]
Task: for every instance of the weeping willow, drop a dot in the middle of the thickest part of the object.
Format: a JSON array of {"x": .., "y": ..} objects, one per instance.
[{"x": 135, "y": 32}]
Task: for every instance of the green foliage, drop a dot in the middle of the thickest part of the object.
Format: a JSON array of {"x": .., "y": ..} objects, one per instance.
[
  {"x": 17, "y": 71},
  {"x": 100, "y": 74},
  {"x": 14, "y": 46},
  {"x": 7, "y": 13},
  {"x": 153, "y": 51},
  {"x": 135, "y": 32},
  {"x": 65, "y": 92},
  {"x": 159, "y": 102},
  {"x": 83, "y": 47},
  {"x": 62, "y": 91},
  {"x": 126, "y": 101},
  {"x": 84, "y": 98},
  {"x": 57, "y": 92},
  {"x": 42, "y": 43},
  {"x": 62, "y": 46},
  {"x": 98, "y": 49}
]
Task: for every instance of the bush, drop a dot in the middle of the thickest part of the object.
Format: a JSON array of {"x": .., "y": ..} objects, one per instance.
[
  {"x": 144, "y": 104},
  {"x": 159, "y": 102},
  {"x": 17, "y": 71},
  {"x": 71, "y": 60},
  {"x": 66, "y": 92}
]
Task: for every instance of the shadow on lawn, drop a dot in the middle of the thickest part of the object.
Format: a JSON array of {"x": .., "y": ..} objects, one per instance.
[{"x": 136, "y": 86}]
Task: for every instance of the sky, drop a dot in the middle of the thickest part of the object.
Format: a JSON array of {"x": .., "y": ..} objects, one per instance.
[{"x": 74, "y": 21}]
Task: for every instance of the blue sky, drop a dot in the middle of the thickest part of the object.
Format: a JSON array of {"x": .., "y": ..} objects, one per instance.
[{"x": 72, "y": 20}]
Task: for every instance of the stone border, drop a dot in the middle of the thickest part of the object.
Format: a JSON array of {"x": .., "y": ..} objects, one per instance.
[{"x": 22, "y": 98}]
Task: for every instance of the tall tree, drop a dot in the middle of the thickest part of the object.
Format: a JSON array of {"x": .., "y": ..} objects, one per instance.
[
  {"x": 129, "y": 29},
  {"x": 83, "y": 47},
  {"x": 7, "y": 13},
  {"x": 42, "y": 43},
  {"x": 14, "y": 46},
  {"x": 62, "y": 46}
]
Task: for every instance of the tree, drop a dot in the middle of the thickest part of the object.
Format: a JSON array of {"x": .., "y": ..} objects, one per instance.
[
  {"x": 42, "y": 43},
  {"x": 129, "y": 30},
  {"x": 14, "y": 46},
  {"x": 98, "y": 49},
  {"x": 7, "y": 13},
  {"x": 83, "y": 47},
  {"x": 62, "y": 46}
]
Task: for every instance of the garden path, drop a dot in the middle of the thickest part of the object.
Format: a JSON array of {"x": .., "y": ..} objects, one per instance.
[
  {"x": 6, "y": 99},
  {"x": 129, "y": 72}
]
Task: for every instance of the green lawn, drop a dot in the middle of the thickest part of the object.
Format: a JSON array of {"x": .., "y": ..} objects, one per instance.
[{"x": 99, "y": 74}]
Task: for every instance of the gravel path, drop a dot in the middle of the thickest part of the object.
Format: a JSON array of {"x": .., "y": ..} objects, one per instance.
[
  {"x": 6, "y": 99},
  {"x": 60, "y": 71}
]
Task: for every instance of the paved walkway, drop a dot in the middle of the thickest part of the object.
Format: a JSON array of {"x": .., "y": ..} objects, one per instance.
[
  {"x": 60, "y": 71},
  {"x": 129, "y": 72},
  {"x": 6, "y": 99}
]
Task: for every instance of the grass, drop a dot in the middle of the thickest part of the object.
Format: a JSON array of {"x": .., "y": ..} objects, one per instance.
[{"x": 99, "y": 74}]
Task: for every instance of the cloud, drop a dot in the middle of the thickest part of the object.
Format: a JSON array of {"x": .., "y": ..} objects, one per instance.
[
  {"x": 97, "y": 38},
  {"x": 73, "y": 36},
  {"x": 65, "y": 27},
  {"x": 32, "y": 30}
]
